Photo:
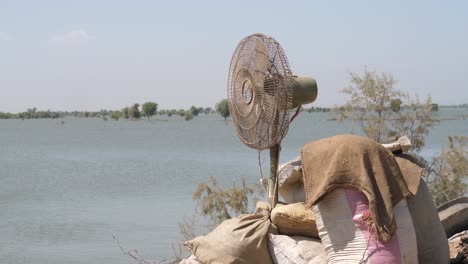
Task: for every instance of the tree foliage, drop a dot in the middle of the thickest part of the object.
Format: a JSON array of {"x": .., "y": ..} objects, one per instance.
[
  {"x": 188, "y": 116},
  {"x": 171, "y": 112},
  {"x": 116, "y": 115},
  {"x": 149, "y": 109},
  {"x": 134, "y": 112},
  {"x": 222, "y": 107},
  {"x": 181, "y": 112},
  {"x": 395, "y": 105},
  {"x": 382, "y": 111},
  {"x": 208, "y": 110},
  {"x": 415, "y": 120},
  {"x": 447, "y": 173},
  {"x": 220, "y": 203},
  {"x": 125, "y": 112},
  {"x": 370, "y": 97},
  {"x": 195, "y": 110},
  {"x": 313, "y": 109},
  {"x": 33, "y": 113}
]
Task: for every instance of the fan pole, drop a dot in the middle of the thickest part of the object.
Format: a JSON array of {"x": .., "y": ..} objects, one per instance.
[{"x": 273, "y": 182}]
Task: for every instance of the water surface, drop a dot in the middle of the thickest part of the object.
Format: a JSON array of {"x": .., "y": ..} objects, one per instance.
[{"x": 66, "y": 188}]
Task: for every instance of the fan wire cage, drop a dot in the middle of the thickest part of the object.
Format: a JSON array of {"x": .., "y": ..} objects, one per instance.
[{"x": 259, "y": 92}]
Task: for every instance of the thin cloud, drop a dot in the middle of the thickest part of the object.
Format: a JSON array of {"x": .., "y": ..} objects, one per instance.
[
  {"x": 78, "y": 36},
  {"x": 5, "y": 36}
]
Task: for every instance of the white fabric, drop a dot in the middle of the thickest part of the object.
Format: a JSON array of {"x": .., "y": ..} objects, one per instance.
[
  {"x": 190, "y": 260},
  {"x": 290, "y": 182},
  {"x": 295, "y": 250}
]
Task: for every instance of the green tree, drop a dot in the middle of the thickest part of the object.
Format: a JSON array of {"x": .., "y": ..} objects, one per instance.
[
  {"x": 370, "y": 97},
  {"x": 103, "y": 112},
  {"x": 181, "y": 112},
  {"x": 195, "y": 110},
  {"x": 116, "y": 115},
  {"x": 374, "y": 105},
  {"x": 222, "y": 107},
  {"x": 188, "y": 116},
  {"x": 208, "y": 110},
  {"x": 134, "y": 112},
  {"x": 171, "y": 112},
  {"x": 149, "y": 109},
  {"x": 125, "y": 112},
  {"x": 7, "y": 115}
]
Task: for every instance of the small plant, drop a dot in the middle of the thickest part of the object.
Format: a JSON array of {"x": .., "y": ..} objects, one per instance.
[
  {"x": 446, "y": 175},
  {"x": 219, "y": 203}
]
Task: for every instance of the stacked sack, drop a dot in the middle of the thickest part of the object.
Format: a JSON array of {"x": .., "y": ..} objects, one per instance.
[
  {"x": 298, "y": 240},
  {"x": 348, "y": 200},
  {"x": 344, "y": 222}
]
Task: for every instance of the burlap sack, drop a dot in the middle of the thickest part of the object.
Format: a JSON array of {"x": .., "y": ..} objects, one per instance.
[
  {"x": 430, "y": 235},
  {"x": 242, "y": 240},
  {"x": 262, "y": 207},
  {"x": 294, "y": 220},
  {"x": 349, "y": 161}
]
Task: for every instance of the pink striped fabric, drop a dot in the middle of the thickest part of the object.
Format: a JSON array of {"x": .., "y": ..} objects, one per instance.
[
  {"x": 344, "y": 225},
  {"x": 377, "y": 252}
]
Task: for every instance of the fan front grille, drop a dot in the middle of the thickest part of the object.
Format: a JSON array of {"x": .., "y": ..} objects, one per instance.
[{"x": 259, "y": 91}]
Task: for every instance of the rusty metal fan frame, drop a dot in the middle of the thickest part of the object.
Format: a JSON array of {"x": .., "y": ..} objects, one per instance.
[
  {"x": 260, "y": 97},
  {"x": 259, "y": 91}
]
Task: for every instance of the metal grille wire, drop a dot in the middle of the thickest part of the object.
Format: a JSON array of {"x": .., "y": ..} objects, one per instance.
[{"x": 259, "y": 91}]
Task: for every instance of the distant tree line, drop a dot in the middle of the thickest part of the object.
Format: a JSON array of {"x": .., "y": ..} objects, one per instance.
[
  {"x": 316, "y": 109},
  {"x": 133, "y": 112},
  {"x": 150, "y": 109},
  {"x": 455, "y": 106},
  {"x": 33, "y": 113}
]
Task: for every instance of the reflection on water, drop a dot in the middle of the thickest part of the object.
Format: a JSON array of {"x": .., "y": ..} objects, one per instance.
[{"x": 66, "y": 188}]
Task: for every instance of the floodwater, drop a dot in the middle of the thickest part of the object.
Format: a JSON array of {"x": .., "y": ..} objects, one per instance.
[{"x": 65, "y": 189}]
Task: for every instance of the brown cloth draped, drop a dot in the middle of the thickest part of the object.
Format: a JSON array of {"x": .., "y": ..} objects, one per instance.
[{"x": 349, "y": 161}]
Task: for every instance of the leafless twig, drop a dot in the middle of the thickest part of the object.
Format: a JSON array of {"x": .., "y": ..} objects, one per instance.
[{"x": 135, "y": 255}]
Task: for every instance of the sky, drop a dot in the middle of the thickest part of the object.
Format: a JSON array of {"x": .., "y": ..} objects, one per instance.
[{"x": 91, "y": 55}]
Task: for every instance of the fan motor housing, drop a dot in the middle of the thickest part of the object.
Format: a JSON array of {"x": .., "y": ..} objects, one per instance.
[{"x": 304, "y": 90}]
